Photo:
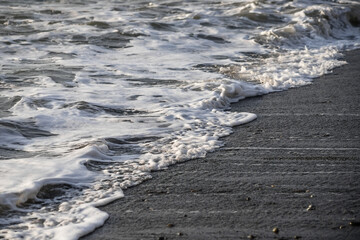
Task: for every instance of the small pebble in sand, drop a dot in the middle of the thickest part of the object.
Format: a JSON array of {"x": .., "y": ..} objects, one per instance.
[
  {"x": 170, "y": 225},
  {"x": 310, "y": 207},
  {"x": 341, "y": 227},
  {"x": 312, "y": 195},
  {"x": 248, "y": 199},
  {"x": 179, "y": 234},
  {"x": 297, "y": 237},
  {"x": 251, "y": 237},
  {"x": 353, "y": 223},
  {"x": 276, "y": 230}
]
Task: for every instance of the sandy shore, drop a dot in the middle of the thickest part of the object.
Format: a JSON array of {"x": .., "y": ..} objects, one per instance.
[{"x": 296, "y": 168}]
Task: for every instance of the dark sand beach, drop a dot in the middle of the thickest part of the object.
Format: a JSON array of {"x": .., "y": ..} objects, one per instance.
[{"x": 296, "y": 168}]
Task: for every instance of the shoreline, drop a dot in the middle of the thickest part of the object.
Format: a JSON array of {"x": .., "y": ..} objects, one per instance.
[{"x": 295, "y": 168}]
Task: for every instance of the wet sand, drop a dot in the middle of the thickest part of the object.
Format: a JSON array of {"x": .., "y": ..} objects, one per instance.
[{"x": 296, "y": 168}]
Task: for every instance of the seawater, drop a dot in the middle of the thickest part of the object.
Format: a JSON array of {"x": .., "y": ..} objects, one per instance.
[{"x": 94, "y": 95}]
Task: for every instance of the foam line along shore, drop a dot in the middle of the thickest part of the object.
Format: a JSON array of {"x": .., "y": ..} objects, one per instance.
[{"x": 293, "y": 170}]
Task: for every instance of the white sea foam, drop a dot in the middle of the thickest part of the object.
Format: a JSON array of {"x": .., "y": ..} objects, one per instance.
[{"x": 111, "y": 91}]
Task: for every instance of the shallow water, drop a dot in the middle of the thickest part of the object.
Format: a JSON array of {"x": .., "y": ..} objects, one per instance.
[{"x": 96, "y": 95}]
